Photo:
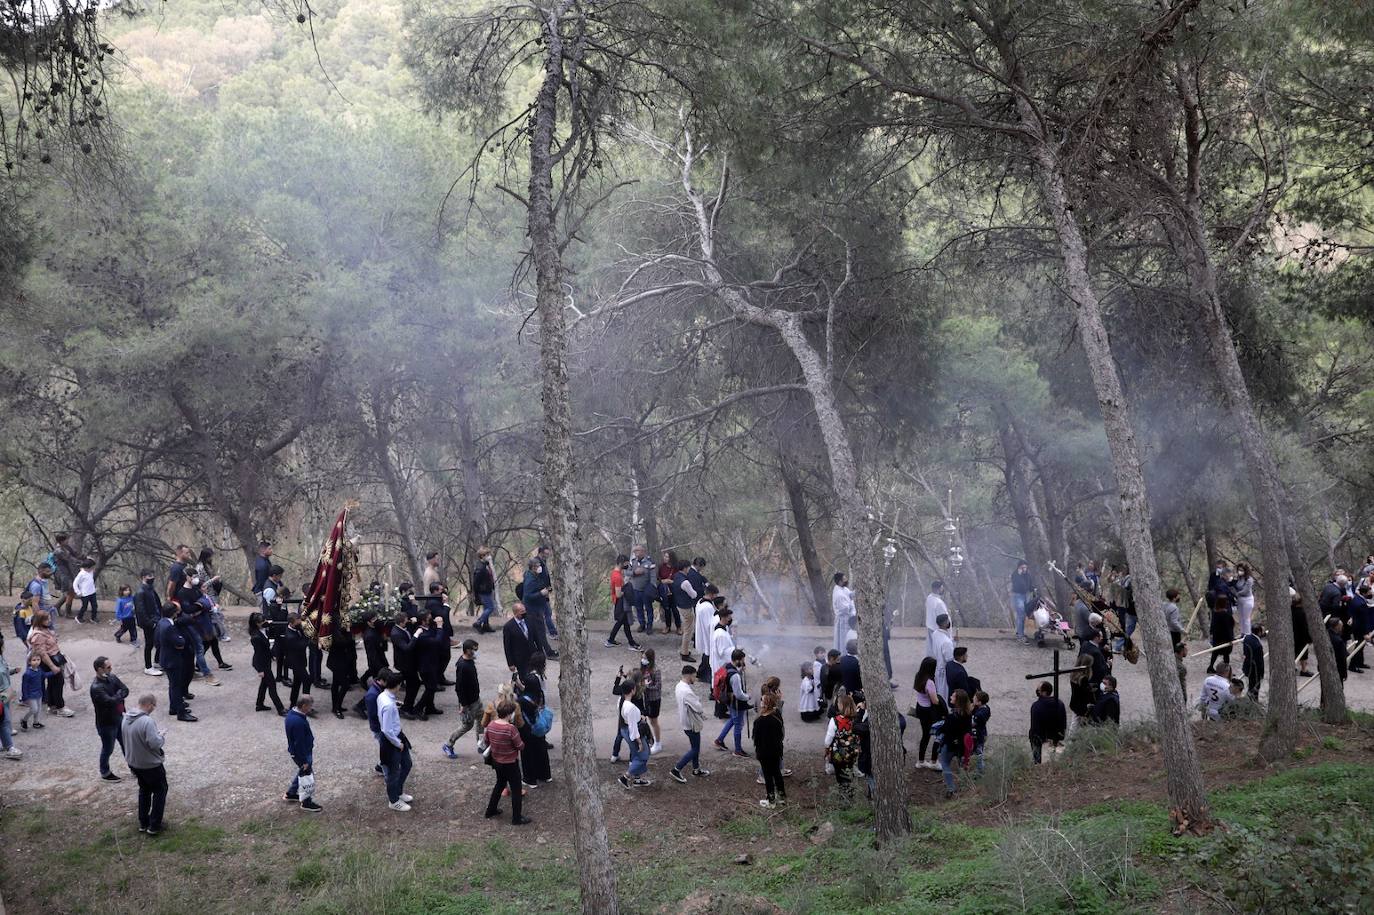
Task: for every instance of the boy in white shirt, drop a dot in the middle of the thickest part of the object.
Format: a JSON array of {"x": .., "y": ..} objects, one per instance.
[
  {"x": 1216, "y": 691},
  {"x": 690, "y": 715},
  {"x": 84, "y": 586}
]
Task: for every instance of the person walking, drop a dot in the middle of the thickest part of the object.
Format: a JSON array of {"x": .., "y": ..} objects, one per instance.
[
  {"x": 144, "y": 753},
  {"x": 147, "y": 612},
  {"x": 634, "y": 730},
  {"x": 395, "y": 746},
  {"x": 262, "y": 665},
  {"x": 535, "y": 767},
  {"x": 535, "y": 596},
  {"x": 295, "y": 649},
  {"x": 735, "y": 695},
  {"x": 483, "y": 589},
  {"x": 935, "y": 607},
  {"x": 343, "y": 668},
  {"x": 43, "y": 643},
  {"x": 83, "y": 585},
  {"x": 469, "y": 690},
  {"x": 1048, "y": 721},
  {"x": 172, "y": 647},
  {"x": 430, "y": 642},
  {"x": 620, "y": 605},
  {"x": 504, "y": 744},
  {"x": 1021, "y": 585},
  {"x": 691, "y": 715},
  {"x": 516, "y": 640},
  {"x": 958, "y": 725},
  {"x": 108, "y": 693},
  {"x": 10, "y": 751},
  {"x": 300, "y": 745}
]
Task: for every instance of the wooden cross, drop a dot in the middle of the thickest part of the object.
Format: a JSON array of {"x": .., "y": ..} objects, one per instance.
[{"x": 1057, "y": 672}]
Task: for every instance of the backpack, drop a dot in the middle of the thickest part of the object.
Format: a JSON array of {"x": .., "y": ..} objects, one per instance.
[
  {"x": 543, "y": 721},
  {"x": 720, "y": 684},
  {"x": 844, "y": 749}
]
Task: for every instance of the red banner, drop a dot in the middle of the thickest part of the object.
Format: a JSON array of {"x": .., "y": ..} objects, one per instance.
[{"x": 330, "y": 590}]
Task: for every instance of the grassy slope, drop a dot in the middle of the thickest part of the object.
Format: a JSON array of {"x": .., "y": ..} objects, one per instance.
[{"x": 1116, "y": 857}]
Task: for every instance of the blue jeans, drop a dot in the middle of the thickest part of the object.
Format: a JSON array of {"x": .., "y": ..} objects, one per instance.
[
  {"x": 200, "y": 654},
  {"x": 693, "y": 755},
  {"x": 295, "y": 788},
  {"x": 397, "y": 770},
  {"x": 109, "y": 736},
  {"x": 6, "y": 726},
  {"x": 947, "y": 757},
  {"x": 643, "y": 602},
  {"x": 488, "y": 608},
  {"x": 548, "y": 621},
  {"x": 1018, "y": 604},
  {"x": 21, "y": 628},
  {"x": 736, "y": 721},
  {"x": 639, "y": 754}
]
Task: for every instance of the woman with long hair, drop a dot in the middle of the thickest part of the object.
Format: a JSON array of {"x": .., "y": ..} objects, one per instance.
[
  {"x": 262, "y": 664},
  {"x": 958, "y": 724},
  {"x": 1244, "y": 586},
  {"x": 1081, "y": 696},
  {"x": 930, "y": 708},
  {"x": 42, "y": 641},
  {"x": 534, "y": 758}
]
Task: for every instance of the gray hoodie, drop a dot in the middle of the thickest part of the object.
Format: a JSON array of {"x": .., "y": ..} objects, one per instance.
[{"x": 142, "y": 742}]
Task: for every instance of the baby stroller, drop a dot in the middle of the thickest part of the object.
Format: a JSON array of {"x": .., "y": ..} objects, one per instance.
[{"x": 1050, "y": 624}]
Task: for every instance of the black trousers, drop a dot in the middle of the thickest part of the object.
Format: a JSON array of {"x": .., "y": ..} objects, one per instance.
[
  {"x": 772, "y": 777},
  {"x": 213, "y": 646},
  {"x": 300, "y": 682},
  {"x": 176, "y": 689},
  {"x": 316, "y": 661},
  {"x": 430, "y": 681},
  {"x": 152, "y": 796},
  {"x": 338, "y": 689},
  {"x": 412, "y": 684},
  {"x": 267, "y": 686},
  {"x": 507, "y": 776},
  {"x": 927, "y": 715},
  {"x": 150, "y": 652}
]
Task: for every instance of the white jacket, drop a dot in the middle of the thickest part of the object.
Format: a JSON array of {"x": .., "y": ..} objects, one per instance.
[
  {"x": 84, "y": 584},
  {"x": 690, "y": 713},
  {"x": 722, "y": 646}
]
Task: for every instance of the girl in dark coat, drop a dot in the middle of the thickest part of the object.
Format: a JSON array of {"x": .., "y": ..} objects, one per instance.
[
  {"x": 768, "y": 736},
  {"x": 1223, "y": 631},
  {"x": 343, "y": 665},
  {"x": 534, "y": 758}
]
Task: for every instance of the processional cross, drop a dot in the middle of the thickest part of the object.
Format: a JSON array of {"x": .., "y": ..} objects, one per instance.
[{"x": 1058, "y": 672}]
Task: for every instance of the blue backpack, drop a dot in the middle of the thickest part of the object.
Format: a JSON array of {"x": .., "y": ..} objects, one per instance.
[{"x": 542, "y": 722}]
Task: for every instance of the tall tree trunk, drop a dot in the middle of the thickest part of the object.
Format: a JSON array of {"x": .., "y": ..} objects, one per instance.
[
  {"x": 475, "y": 526},
  {"x": 1182, "y": 766},
  {"x": 1055, "y": 518},
  {"x": 1034, "y": 542},
  {"x": 1188, "y": 232},
  {"x": 596, "y": 871},
  {"x": 1333, "y": 691},
  {"x": 648, "y": 512},
  {"x": 806, "y": 543},
  {"x": 379, "y": 439}
]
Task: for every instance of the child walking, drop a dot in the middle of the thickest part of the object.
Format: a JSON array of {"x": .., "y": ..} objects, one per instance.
[
  {"x": 84, "y": 586},
  {"x": 124, "y": 615},
  {"x": 810, "y": 701},
  {"x": 653, "y": 696},
  {"x": 768, "y": 737},
  {"x": 31, "y": 691}
]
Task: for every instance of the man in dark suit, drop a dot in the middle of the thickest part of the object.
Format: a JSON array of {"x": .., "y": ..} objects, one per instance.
[
  {"x": 1101, "y": 666},
  {"x": 516, "y": 638},
  {"x": 405, "y": 661},
  {"x": 296, "y": 652},
  {"x": 850, "y": 676},
  {"x": 956, "y": 674}
]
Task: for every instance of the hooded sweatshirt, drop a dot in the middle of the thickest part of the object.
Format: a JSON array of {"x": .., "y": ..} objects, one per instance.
[{"x": 142, "y": 742}]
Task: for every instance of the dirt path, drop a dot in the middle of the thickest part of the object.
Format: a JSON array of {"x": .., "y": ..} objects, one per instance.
[{"x": 232, "y": 764}]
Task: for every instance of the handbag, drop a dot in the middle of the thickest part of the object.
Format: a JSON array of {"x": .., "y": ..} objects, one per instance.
[
  {"x": 543, "y": 721},
  {"x": 73, "y": 678},
  {"x": 484, "y": 748}
]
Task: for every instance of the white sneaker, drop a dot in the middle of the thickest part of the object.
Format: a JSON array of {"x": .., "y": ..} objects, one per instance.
[
  {"x": 656, "y": 748},
  {"x": 65, "y": 712},
  {"x": 14, "y": 753},
  {"x": 406, "y": 798},
  {"x": 399, "y": 806},
  {"x": 211, "y": 681},
  {"x": 766, "y": 803},
  {"x": 152, "y": 671}
]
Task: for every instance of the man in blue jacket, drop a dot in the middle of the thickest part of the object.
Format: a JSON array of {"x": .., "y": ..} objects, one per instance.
[{"x": 300, "y": 743}]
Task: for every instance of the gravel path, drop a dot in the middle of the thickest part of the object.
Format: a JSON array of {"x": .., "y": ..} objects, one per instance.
[{"x": 233, "y": 762}]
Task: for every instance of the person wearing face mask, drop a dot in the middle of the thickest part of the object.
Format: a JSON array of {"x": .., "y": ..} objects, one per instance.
[
  {"x": 518, "y": 642},
  {"x": 469, "y": 691},
  {"x": 147, "y": 611}
]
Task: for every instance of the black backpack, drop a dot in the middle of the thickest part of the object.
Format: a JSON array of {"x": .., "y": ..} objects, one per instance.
[{"x": 520, "y": 590}]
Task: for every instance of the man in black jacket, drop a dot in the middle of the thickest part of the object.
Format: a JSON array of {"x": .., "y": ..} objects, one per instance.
[
  {"x": 516, "y": 639},
  {"x": 107, "y": 698},
  {"x": 374, "y": 647},
  {"x": 851, "y": 678},
  {"x": 956, "y": 674},
  {"x": 429, "y": 661},
  {"x": 1048, "y": 721},
  {"x": 404, "y": 661},
  {"x": 437, "y": 605},
  {"x": 1093, "y": 648},
  {"x": 1252, "y": 663},
  {"x": 147, "y": 611},
  {"x": 469, "y": 691}
]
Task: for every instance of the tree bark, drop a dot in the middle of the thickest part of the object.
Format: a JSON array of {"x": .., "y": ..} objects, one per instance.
[
  {"x": 648, "y": 510},
  {"x": 591, "y": 844},
  {"x": 1183, "y": 769},
  {"x": 806, "y": 543},
  {"x": 1030, "y": 528},
  {"x": 1333, "y": 691},
  {"x": 379, "y": 439}
]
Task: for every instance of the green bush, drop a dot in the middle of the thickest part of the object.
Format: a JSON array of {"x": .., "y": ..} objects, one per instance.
[
  {"x": 1001, "y": 764},
  {"x": 1330, "y": 870}
]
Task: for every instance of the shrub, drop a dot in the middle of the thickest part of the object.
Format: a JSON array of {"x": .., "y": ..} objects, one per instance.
[
  {"x": 1330, "y": 870},
  {"x": 1002, "y": 762}
]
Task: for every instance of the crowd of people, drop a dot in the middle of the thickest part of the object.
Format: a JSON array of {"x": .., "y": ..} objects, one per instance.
[{"x": 407, "y": 655}]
